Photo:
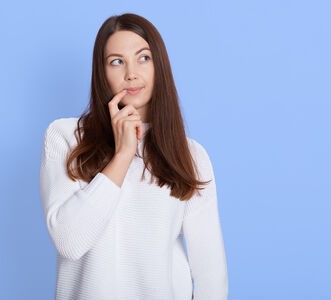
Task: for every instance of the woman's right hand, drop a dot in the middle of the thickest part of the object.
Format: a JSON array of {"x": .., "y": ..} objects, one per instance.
[{"x": 127, "y": 125}]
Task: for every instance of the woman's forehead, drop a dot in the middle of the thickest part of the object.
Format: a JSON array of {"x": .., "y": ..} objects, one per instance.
[{"x": 125, "y": 41}]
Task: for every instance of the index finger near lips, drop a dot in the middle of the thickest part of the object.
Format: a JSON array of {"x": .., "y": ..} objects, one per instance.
[{"x": 113, "y": 103}]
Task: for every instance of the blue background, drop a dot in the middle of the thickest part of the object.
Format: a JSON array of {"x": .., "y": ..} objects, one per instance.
[{"x": 254, "y": 84}]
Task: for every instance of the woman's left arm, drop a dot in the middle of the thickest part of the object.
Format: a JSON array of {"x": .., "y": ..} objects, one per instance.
[{"x": 203, "y": 236}]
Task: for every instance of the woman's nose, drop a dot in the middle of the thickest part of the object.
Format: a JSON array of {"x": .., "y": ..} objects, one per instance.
[
  {"x": 130, "y": 73},
  {"x": 131, "y": 76}
]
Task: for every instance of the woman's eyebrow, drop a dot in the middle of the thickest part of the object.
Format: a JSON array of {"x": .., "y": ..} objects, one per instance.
[{"x": 120, "y": 55}]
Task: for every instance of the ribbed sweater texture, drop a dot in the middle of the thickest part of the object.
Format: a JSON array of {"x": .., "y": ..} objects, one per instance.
[{"x": 134, "y": 241}]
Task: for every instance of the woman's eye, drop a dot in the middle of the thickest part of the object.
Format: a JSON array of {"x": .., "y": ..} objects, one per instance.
[
  {"x": 118, "y": 61},
  {"x": 145, "y": 57},
  {"x": 115, "y": 62}
]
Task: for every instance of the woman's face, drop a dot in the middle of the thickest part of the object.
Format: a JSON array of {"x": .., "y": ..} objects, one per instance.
[{"x": 129, "y": 65}]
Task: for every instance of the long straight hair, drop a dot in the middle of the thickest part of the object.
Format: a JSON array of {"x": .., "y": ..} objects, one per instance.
[{"x": 166, "y": 151}]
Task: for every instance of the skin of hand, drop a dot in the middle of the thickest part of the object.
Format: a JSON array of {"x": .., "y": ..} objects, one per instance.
[{"x": 127, "y": 125}]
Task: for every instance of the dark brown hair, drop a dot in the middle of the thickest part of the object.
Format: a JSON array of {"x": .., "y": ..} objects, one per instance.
[{"x": 166, "y": 151}]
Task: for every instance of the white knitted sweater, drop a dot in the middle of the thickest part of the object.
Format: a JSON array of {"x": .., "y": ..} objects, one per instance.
[{"x": 130, "y": 242}]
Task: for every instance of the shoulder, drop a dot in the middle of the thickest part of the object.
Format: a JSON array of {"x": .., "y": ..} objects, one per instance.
[
  {"x": 60, "y": 135},
  {"x": 197, "y": 150},
  {"x": 201, "y": 159},
  {"x": 63, "y": 125}
]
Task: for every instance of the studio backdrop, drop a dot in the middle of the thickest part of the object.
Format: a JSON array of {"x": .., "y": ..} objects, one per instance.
[{"x": 253, "y": 78}]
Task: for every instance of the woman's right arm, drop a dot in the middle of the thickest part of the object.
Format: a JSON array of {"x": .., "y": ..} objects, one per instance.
[{"x": 76, "y": 217}]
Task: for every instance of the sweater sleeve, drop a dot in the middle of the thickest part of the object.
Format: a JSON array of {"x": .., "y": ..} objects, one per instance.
[
  {"x": 203, "y": 236},
  {"x": 75, "y": 216}
]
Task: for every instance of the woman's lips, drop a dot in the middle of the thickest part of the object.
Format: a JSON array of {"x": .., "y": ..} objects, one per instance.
[{"x": 133, "y": 91}]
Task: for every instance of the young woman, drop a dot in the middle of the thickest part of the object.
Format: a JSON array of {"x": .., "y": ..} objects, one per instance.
[{"x": 124, "y": 190}]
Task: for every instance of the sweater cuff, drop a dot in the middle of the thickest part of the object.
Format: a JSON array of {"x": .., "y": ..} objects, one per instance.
[
  {"x": 100, "y": 186},
  {"x": 100, "y": 179}
]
